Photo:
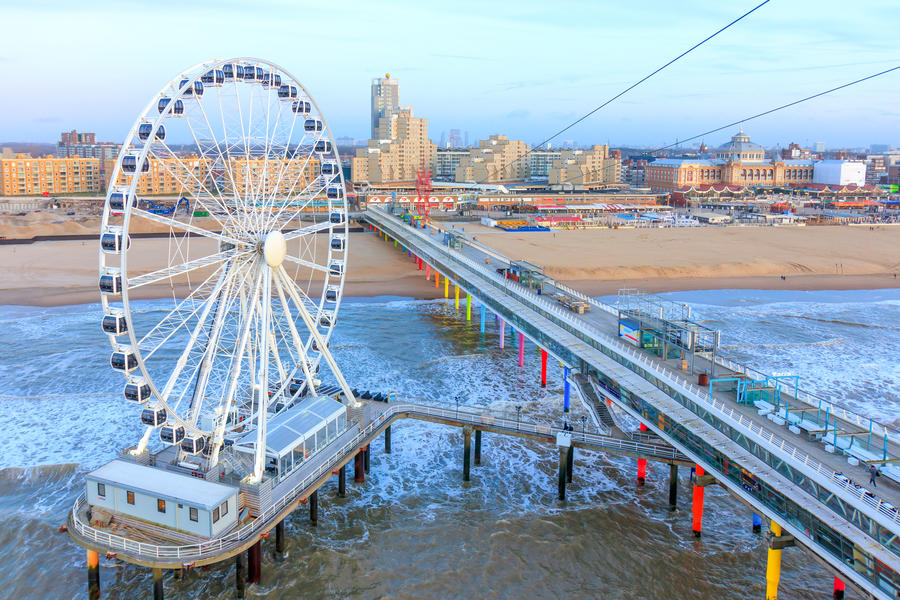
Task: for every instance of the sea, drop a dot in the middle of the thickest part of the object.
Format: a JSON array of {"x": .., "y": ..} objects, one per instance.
[{"x": 414, "y": 529}]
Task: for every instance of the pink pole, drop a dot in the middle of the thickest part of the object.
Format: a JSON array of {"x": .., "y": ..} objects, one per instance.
[
  {"x": 521, "y": 349},
  {"x": 502, "y": 333}
]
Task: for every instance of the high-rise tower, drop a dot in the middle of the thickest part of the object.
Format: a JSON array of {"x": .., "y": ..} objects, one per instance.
[{"x": 385, "y": 99}]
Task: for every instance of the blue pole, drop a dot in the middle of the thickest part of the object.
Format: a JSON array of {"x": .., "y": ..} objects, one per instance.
[
  {"x": 483, "y": 316},
  {"x": 565, "y": 389}
]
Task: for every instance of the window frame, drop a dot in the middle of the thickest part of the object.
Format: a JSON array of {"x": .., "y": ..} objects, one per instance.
[
  {"x": 193, "y": 514},
  {"x": 160, "y": 506},
  {"x": 223, "y": 509},
  {"x": 129, "y": 497},
  {"x": 215, "y": 515},
  {"x": 101, "y": 489}
]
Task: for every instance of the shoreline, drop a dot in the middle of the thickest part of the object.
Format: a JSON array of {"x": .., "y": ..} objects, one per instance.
[{"x": 415, "y": 286}]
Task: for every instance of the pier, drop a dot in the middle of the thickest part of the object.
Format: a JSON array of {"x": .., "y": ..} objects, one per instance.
[{"x": 781, "y": 451}]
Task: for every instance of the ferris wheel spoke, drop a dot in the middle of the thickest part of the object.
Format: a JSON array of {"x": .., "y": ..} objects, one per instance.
[
  {"x": 306, "y": 263},
  {"x": 191, "y": 265},
  {"x": 175, "y": 223},
  {"x": 309, "y": 229},
  {"x": 176, "y": 319},
  {"x": 320, "y": 342},
  {"x": 299, "y": 346}
]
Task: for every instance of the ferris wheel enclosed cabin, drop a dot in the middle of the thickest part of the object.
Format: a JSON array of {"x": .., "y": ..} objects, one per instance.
[
  {"x": 294, "y": 435},
  {"x": 166, "y": 498}
]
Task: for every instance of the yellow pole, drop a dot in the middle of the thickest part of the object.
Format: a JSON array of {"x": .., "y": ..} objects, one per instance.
[
  {"x": 457, "y": 296},
  {"x": 773, "y": 566},
  {"x": 446, "y": 288}
]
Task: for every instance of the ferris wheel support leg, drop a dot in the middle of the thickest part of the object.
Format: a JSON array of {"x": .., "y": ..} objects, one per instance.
[
  {"x": 323, "y": 348},
  {"x": 263, "y": 374},
  {"x": 142, "y": 445}
]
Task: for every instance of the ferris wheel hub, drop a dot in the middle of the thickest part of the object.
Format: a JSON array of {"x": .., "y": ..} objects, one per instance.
[{"x": 275, "y": 248}]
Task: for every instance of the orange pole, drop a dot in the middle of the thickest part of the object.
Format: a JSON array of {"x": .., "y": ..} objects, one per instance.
[{"x": 93, "y": 566}]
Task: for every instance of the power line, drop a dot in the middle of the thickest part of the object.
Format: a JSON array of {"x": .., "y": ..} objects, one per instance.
[
  {"x": 767, "y": 112},
  {"x": 639, "y": 82}
]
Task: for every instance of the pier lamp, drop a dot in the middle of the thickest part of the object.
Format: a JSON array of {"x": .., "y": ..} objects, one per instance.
[
  {"x": 518, "y": 412},
  {"x": 583, "y": 421}
]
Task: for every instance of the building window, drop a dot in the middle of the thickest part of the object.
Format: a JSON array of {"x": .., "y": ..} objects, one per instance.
[
  {"x": 161, "y": 506},
  {"x": 129, "y": 497},
  {"x": 224, "y": 508},
  {"x": 101, "y": 490},
  {"x": 216, "y": 514},
  {"x": 192, "y": 514}
]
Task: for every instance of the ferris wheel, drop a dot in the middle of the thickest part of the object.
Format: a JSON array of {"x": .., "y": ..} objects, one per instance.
[{"x": 223, "y": 255}]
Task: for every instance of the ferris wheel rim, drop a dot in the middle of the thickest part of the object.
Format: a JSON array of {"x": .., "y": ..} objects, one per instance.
[{"x": 194, "y": 74}]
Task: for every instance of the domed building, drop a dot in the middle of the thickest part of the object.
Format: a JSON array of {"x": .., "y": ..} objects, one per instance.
[{"x": 737, "y": 164}]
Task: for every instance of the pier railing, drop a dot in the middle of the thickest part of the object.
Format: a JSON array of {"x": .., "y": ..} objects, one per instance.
[
  {"x": 809, "y": 398},
  {"x": 637, "y": 361},
  {"x": 267, "y": 519}
]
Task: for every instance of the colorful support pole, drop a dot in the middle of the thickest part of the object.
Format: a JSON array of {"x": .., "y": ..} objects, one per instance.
[
  {"x": 254, "y": 570},
  {"x": 468, "y": 306},
  {"x": 697, "y": 505},
  {"x": 446, "y": 288},
  {"x": 342, "y": 481},
  {"x": 456, "y": 296},
  {"x": 93, "y": 568},
  {"x": 773, "y": 566},
  {"x": 427, "y": 271},
  {"x": 566, "y": 389},
  {"x": 757, "y": 523},
  {"x": 521, "y": 349},
  {"x": 543, "y": 368},
  {"x": 642, "y": 464},
  {"x": 838, "y": 589},
  {"x": 158, "y": 592},
  {"x": 437, "y": 279},
  {"x": 673, "y": 486},
  {"x": 502, "y": 333},
  {"x": 467, "y": 451},
  {"x": 419, "y": 262},
  {"x": 483, "y": 316}
]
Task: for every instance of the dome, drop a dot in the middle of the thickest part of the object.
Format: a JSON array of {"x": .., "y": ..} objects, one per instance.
[{"x": 740, "y": 148}]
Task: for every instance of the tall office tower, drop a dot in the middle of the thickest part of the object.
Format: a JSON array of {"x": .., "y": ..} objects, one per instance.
[{"x": 385, "y": 99}]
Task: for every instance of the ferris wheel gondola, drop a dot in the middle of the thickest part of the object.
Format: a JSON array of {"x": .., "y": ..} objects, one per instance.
[{"x": 251, "y": 277}]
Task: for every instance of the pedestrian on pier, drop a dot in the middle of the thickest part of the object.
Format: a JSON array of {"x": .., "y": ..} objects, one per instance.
[{"x": 873, "y": 473}]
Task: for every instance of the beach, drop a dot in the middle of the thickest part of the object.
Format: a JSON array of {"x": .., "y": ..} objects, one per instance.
[{"x": 596, "y": 261}]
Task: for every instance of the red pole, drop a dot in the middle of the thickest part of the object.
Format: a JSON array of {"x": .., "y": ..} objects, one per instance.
[
  {"x": 838, "y": 589},
  {"x": 543, "y": 368},
  {"x": 697, "y": 506}
]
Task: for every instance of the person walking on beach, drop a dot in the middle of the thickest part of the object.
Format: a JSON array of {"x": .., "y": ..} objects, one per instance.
[{"x": 873, "y": 473}]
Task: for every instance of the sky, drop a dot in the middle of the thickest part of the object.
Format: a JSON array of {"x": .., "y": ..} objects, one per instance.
[{"x": 523, "y": 69}]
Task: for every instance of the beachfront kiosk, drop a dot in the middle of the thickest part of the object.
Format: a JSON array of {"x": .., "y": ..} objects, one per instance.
[{"x": 132, "y": 493}]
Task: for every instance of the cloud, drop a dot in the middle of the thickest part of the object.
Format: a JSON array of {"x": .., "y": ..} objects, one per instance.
[{"x": 519, "y": 113}]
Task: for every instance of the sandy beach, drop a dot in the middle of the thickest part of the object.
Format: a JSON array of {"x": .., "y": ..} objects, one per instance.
[{"x": 596, "y": 261}]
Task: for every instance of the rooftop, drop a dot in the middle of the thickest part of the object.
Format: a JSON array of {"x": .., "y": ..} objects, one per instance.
[{"x": 164, "y": 484}]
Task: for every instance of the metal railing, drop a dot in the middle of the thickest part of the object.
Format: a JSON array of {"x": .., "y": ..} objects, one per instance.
[{"x": 765, "y": 438}]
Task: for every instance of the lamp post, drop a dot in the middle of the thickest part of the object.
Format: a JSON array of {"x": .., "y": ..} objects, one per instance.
[
  {"x": 518, "y": 412},
  {"x": 583, "y": 421},
  {"x": 457, "y": 407}
]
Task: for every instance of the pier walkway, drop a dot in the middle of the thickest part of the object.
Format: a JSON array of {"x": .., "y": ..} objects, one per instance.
[
  {"x": 795, "y": 481},
  {"x": 161, "y": 548}
]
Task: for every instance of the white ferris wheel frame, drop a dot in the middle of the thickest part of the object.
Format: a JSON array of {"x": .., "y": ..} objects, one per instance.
[{"x": 236, "y": 252}]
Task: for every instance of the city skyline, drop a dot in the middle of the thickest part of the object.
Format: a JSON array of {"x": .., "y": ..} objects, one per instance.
[{"x": 524, "y": 75}]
